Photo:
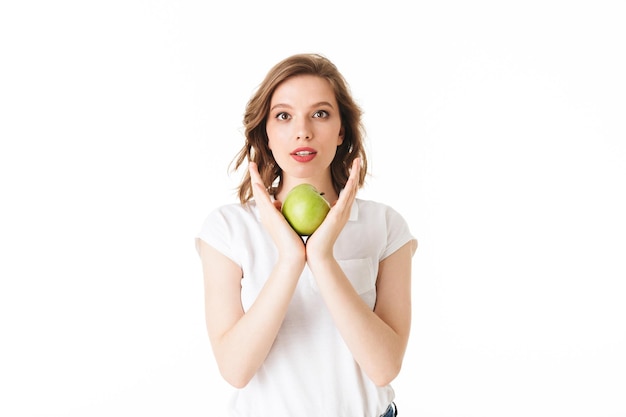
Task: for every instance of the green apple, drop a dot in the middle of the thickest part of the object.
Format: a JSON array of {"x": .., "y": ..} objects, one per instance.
[{"x": 305, "y": 209}]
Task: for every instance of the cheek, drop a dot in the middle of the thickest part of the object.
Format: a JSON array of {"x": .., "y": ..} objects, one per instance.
[
  {"x": 273, "y": 142},
  {"x": 274, "y": 134}
]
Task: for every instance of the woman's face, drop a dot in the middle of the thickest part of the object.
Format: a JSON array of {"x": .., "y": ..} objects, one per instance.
[{"x": 304, "y": 129}]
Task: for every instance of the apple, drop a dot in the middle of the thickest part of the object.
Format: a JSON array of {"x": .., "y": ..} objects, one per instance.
[{"x": 305, "y": 209}]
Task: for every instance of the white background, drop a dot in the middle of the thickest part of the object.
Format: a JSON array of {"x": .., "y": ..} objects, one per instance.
[{"x": 497, "y": 130}]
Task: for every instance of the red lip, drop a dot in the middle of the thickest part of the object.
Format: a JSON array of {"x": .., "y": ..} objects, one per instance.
[{"x": 303, "y": 154}]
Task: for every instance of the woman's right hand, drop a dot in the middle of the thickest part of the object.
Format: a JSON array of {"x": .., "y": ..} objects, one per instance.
[{"x": 290, "y": 246}]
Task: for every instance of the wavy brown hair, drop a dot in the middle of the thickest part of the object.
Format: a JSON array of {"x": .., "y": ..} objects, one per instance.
[{"x": 256, "y": 147}]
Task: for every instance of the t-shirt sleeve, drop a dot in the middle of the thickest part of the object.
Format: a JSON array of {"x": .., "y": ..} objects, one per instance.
[
  {"x": 216, "y": 232},
  {"x": 398, "y": 233}
]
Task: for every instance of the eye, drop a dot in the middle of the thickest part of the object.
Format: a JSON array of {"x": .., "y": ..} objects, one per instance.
[
  {"x": 320, "y": 114},
  {"x": 282, "y": 116}
]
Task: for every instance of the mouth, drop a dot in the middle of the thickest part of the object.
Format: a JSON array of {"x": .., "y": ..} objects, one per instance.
[{"x": 303, "y": 154}]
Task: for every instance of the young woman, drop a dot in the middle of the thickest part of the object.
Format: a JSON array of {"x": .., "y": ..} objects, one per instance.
[{"x": 315, "y": 326}]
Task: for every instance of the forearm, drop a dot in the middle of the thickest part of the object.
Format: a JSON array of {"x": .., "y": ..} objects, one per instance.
[
  {"x": 376, "y": 346},
  {"x": 241, "y": 350}
]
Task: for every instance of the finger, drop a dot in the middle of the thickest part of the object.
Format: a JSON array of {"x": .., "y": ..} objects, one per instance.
[
  {"x": 258, "y": 188},
  {"x": 355, "y": 171},
  {"x": 352, "y": 184},
  {"x": 255, "y": 177},
  {"x": 347, "y": 195}
]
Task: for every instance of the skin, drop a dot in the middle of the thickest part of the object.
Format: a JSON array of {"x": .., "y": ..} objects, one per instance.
[{"x": 304, "y": 112}]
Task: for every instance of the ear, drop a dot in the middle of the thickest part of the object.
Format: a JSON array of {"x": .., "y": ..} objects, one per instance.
[{"x": 341, "y": 136}]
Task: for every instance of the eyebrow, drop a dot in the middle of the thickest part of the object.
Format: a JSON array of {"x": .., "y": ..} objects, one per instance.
[{"x": 287, "y": 106}]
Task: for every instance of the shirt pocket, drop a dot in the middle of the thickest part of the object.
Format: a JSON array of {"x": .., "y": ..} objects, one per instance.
[{"x": 361, "y": 274}]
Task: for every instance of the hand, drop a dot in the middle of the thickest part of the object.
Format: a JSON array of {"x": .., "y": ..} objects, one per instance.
[
  {"x": 320, "y": 244},
  {"x": 290, "y": 246}
]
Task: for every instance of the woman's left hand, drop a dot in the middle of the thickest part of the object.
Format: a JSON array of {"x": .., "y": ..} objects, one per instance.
[{"x": 320, "y": 244}]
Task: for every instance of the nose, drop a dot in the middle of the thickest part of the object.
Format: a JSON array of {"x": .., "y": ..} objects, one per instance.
[{"x": 303, "y": 129}]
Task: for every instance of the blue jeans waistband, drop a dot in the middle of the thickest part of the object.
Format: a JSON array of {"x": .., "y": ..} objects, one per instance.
[{"x": 391, "y": 411}]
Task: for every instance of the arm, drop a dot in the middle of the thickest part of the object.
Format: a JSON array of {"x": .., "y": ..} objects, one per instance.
[
  {"x": 241, "y": 341},
  {"x": 377, "y": 339}
]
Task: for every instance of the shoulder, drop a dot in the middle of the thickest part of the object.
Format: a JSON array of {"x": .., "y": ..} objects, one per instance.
[
  {"x": 226, "y": 226},
  {"x": 230, "y": 219},
  {"x": 387, "y": 221}
]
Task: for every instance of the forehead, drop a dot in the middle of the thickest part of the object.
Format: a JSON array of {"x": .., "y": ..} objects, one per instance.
[{"x": 301, "y": 89}]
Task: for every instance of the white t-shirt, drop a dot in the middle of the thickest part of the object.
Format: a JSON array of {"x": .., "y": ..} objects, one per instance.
[{"x": 309, "y": 370}]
